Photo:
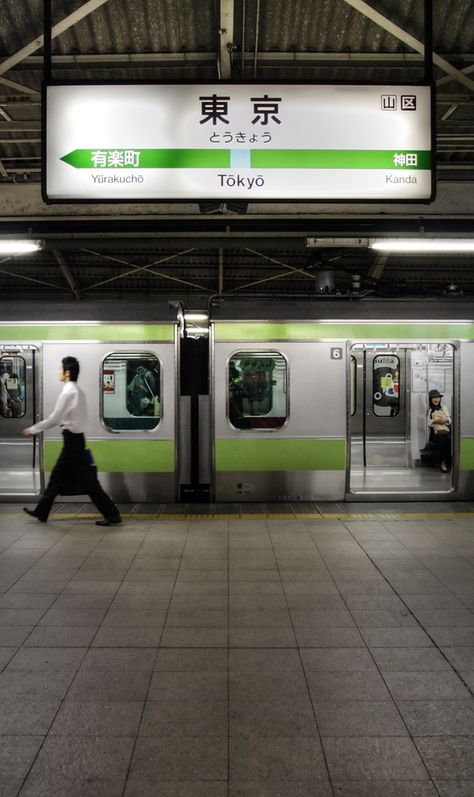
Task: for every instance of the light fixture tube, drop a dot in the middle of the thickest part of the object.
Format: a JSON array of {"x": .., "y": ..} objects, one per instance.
[
  {"x": 12, "y": 247},
  {"x": 424, "y": 245}
]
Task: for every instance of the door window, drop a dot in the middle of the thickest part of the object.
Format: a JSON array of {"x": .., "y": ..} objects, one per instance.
[
  {"x": 131, "y": 391},
  {"x": 386, "y": 385},
  {"x": 12, "y": 386},
  {"x": 257, "y": 390}
]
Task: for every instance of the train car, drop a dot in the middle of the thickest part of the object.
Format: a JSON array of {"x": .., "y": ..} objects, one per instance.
[
  {"x": 327, "y": 399},
  {"x": 129, "y": 359}
]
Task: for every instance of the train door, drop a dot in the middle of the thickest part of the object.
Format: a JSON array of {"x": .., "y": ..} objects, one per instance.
[
  {"x": 388, "y": 433},
  {"x": 20, "y": 473}
]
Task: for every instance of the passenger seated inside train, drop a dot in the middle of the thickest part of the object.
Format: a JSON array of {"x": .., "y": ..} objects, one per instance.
[
  {"x": 142, "y": 393},
  {"x": 439, "y": 424}
]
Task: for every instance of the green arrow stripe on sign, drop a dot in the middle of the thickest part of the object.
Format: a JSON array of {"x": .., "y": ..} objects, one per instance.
[
  {"x": 260, "y": 159},
  {"x": 148, "y": 159},
  {"x": 340, "y": 159}
]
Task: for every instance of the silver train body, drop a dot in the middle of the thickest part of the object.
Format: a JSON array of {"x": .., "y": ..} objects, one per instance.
[{"x": 324, "y": 400}]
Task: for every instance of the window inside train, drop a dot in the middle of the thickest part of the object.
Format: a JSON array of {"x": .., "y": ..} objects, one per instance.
[
  {"x": 131, "y": 392},
  {"x": 353, "y": 385},
  {"x": 257, "y": 390},
  {"x": 386, "y": 385},
  {"x": 12, "y": 386}
]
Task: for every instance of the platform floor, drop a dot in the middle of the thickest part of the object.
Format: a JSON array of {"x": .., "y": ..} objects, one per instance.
[{"x": 260, "y": 650}]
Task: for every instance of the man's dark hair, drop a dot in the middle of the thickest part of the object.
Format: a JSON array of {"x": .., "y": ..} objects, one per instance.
[{"x": 72, "y": 365}]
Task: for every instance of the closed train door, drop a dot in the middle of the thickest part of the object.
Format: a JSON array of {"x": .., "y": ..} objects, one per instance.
[
  {"x": 20, "y": 473},
  {"x": 391, "y": 448}
]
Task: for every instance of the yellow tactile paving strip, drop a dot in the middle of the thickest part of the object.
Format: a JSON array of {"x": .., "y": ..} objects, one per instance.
[{"x": 257, "y": 516}]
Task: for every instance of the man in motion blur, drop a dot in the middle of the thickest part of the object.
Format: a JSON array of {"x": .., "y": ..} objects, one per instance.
[{"x": 70, "y": 414}]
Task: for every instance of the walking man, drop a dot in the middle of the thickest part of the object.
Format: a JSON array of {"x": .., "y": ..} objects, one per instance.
[{"x": 70, "y": 415}]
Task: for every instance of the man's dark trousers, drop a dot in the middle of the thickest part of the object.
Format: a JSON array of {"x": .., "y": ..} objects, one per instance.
[{"x": 72, "y": 467}]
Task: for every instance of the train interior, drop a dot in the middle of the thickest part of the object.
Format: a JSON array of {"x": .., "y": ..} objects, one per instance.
[{"x": 388, "y": 430}]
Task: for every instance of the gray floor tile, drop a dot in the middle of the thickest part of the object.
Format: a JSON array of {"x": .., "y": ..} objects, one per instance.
[
  {"x": 380, "y": 618},
  {"x": 24, "y": 717},
  {"x": 263, "y": 637},
  {"x": 276, "y": 788},
  {"x": 16, "y": 756},
  {"x": 276, "y": 759},
  {"x": 191, "y": 660},
  {"x": 462, "y": 658},
  {"x": 121, "y": 659},
  {"x": 34, "y": 686},
  {"x": 291, "y": 717},
  {"x": 396, "y": 637},
  {"x": 385, "y": 788},
  {"x": 365, "y": 685},
  {"x": 71, "y": 766},
  {"x": 61, "y": 636},
  {"x": 311, "y": 637},
  {"x": 447, "y": 758},
  {"x": 127, "y": 637},
  {"x": 197, "y": 618},
  {"x": 322, "y": 618},
  {"x": 15, "y": 600},
  {"x": 373, "y": 758},
  {"x": 188, "y": 686},
  {"x": 456, "y": 637},
  {"x": 100, "y": 685},
  {"x": 447, "y": 617},
  {"x": 438, "y": 717},
  {"x": 268, "y": 662},
  {"x": 426, "y": 685},
  {"x": 11, "y": 635},
  {"x": 190, "y": 716},
  {"x": 194, "y": 637},
  {"x": 406, "y": 659},
  {"x": 337, "y": 660},
  {"x": 137, "y": 787},
  {"x": 257, "y": 686},
  {"x": 359, "y": 718},
  {"x": 46, "y": 659},
  {"x": 159, "y": 759},
  {"x": 97, "y": 718}
]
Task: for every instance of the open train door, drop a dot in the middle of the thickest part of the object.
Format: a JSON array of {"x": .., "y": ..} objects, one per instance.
[
  {"x": 388, "y": 431},
  {"x": 20, "y": 472}
]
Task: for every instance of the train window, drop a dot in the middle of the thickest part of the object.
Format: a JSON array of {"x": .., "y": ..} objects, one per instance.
[
  {"x": 131, "y": 391},
  {"x": 12, "y": 386},
  {"x": 386, "y": 379},
  {"x": 257, "y": 390}
]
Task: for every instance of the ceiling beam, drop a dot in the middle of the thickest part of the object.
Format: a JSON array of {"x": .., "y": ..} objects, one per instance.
[
  {"x": 401, "y": 34},
  {"x": 226, "y": 36},
  {"x": 67, "y": 272},
  {"x": 60, "y": 27}
]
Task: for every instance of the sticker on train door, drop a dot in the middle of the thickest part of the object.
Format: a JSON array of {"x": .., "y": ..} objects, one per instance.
[{"x": 108, "y": 384}]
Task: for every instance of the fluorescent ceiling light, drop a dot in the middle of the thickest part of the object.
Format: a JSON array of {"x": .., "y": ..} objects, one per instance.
[
  {"x": 11, "y": 247},
  {"x": 196, "y": 316},
  {"x": 424, "y": 245}
]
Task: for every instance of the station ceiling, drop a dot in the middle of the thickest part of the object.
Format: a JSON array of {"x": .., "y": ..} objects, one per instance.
[{"x": 192, "y": 251}]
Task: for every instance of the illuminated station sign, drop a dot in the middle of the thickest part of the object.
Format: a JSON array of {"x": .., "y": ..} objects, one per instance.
[{"x": 138, "y": 142}]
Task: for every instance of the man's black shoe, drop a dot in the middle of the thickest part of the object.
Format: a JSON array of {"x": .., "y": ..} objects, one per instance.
[
  {"x": 32, "y": 513},
  {"x": 109, "y": 521}
]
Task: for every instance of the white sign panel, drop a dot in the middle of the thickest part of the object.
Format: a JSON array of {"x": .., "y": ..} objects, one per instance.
[{"x": 247, "y": 142}]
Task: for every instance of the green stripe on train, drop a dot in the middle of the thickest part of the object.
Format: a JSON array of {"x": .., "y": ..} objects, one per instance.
[
  {"x": 262, "y": 331},
  {"x": 84, "y": 332},
  {"x": 122, "y": 456},
  {"x": 466, "y": 458},
  {"x": 280, "y": 455}
]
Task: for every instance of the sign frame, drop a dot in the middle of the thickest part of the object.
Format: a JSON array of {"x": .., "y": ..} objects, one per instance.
[{"x": 234, "y": 198}]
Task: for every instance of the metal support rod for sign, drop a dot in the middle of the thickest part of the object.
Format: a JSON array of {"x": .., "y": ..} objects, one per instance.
[
  {"x": 428, "y": 54},
  {"x": 47, "y": 41}
]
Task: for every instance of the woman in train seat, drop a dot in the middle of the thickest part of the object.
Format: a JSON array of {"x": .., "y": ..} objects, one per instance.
[{"x": 439, "y": 423}]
